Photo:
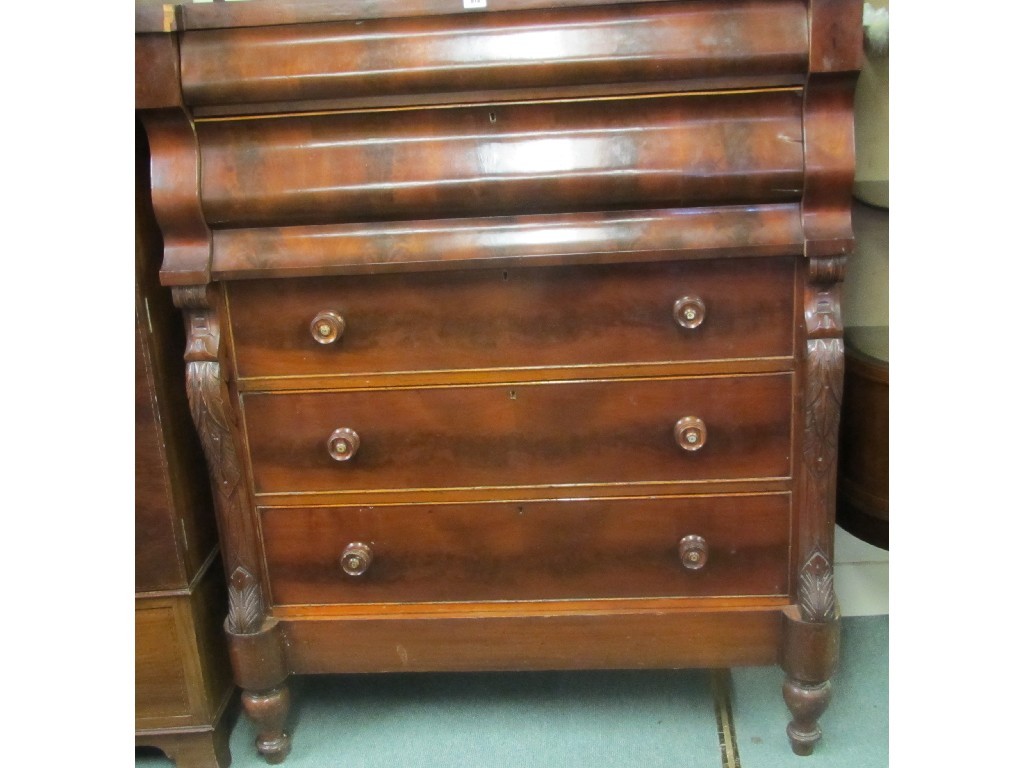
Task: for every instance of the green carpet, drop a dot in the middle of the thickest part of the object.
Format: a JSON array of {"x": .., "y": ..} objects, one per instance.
[
  {"x": 856, "y": 724},
  {"x": 589, "y": 719}
]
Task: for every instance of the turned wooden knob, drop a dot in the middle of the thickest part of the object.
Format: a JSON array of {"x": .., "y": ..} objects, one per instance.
[
  {"x": 343, "y": 444},
  {"x": 693, "y": 552},
  {"x": 356, "y": 558},
  {"x": 691, "y": 433},
  {"x": 327, "y": 327},
  {"x": 689, "y": 311}
]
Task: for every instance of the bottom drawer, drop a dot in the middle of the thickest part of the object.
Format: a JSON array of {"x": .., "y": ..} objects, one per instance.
[
  {"x": 162, "y": 660},
  {"x": 530, "y": 550}
]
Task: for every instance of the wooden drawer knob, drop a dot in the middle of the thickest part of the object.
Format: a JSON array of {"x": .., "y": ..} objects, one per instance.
[
  {"x": 691, "y": 433},
  {"x": 327, "y": 327},
  {"x": 693, "y": 552},
  {"x": 343, "y": 444},
  {"x": 689, "y": 311},
  {"x": 356, "y": 558}
]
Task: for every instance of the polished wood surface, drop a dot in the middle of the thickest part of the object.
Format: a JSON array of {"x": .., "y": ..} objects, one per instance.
[
  {"x": 863, "y": 502},
  {"x": 157, "y": 565},
  {"x": 450, "y": 53},
  {"x": 502, "y": 158},
  {"x": 565, "y": 434},
  {"x": 173, "y": 536},
  {"x": 564, "y": 635},
  {"x": 530, "y": 550},
  {"x": 514, "y": 336},
  {"x": 161, "y": 689},
  {"x": 514, "y": 318},
  {"x": 632, "y": 237}
]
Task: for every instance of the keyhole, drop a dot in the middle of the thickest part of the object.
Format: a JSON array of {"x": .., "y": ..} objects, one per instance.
[
  {"x": 511, "y": 394},
  {"x": 492, "y": 117}
]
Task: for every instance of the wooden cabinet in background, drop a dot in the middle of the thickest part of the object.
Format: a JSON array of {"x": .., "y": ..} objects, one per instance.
[
  {"x": 182, "y": 674},
  {"x": 863, "y": 502}
]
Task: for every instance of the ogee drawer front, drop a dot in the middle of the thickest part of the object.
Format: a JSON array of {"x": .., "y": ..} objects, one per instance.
[
  {"x": 502, "y": 159},
  {"x": 556, "y": 433},
  {"x": 544, "y": 316},
  {"x": 531, "y": 550}
]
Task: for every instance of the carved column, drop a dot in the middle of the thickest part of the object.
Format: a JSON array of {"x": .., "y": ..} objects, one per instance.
[
  {"x": 811, "y": 626},
  {"x": 254, "y": 639}
]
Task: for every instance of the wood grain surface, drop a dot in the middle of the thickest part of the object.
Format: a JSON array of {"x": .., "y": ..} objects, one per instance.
[
  {"x": 565, "y": 433},
  {"x": 567, "y": 635},
  {"x": 558, "y": 316},
  {"x": 608, "y": 548},
  {"x": 541, "y": 48},
  {"x": 502, "y": 159}
]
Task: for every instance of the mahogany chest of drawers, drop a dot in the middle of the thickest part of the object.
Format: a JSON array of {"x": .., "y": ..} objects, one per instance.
[{"x": 513, "y": 331}]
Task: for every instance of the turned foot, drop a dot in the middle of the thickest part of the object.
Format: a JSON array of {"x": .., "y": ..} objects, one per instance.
[
  {"x": 269, "y": 710},
  {"x": 806, "y": 703},
  {"x": 810, "y": 651}
]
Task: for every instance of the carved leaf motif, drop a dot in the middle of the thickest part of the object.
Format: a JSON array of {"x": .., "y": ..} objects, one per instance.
[
  {"x": 817, "y": 597},
  {"x": 821, "y": 413},
  {"x": 206, "y": 400},
  {"x": 245, "y": 603}
]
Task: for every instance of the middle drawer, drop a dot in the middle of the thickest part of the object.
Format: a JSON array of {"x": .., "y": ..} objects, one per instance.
[{"x": 545, "y": 434}]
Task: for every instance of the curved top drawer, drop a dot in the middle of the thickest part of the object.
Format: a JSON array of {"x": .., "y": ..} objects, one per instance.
[
  {"x": 650, "y": 42},
  {"x": 549, "y": 157}
]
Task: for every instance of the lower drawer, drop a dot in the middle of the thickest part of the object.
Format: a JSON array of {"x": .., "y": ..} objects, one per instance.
[{"x": 575, "y": 549}]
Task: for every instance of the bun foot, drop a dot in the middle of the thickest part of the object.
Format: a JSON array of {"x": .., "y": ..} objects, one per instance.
[
  {"x": 268, "y": 711},
  {"x": 806, "y": 703}
]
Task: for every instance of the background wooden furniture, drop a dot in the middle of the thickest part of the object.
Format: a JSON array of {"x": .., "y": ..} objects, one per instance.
[
  {"x": 863, "y": 503},
  {"x": 514, "y": 337},
  {"x": 182, "y": 675}
]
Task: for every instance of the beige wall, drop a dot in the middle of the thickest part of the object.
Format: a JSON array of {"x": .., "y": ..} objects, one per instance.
[{"x": 866, "y": 300}]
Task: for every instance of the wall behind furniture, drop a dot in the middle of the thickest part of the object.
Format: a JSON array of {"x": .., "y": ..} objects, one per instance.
[{"x": 862, "y": 571}]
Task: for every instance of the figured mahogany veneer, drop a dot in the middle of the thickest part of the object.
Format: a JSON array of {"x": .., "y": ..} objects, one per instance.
[
  {"x": 518, "y": 318},
  {"x": 556, "y": 433},
  {"x": 662, "y": 41},
  {"x": 555, "y": 550},
  {"x": 499, "y": 159},
  {"x": 514, "y": 335}
]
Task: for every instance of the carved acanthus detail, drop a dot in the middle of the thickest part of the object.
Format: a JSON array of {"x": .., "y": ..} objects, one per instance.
[
  {"x": 823, "y": 392},
  {"x": 245, "y": 603},
  {"x": 209, "y": 411},
  {"x": 821, "y": 409},
  {"x": 816, "y": 594},
  {"x": 208, "y": 401}
]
